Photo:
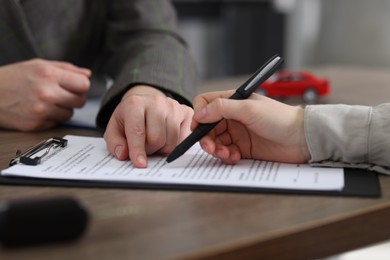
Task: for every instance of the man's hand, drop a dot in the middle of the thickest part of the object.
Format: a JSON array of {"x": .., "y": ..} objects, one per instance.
[
  {"x": 146, "y": 122},
  {"x": 38, "y": 94}
]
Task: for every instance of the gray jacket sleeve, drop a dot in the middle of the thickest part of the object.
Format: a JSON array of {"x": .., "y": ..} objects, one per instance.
[
  {"x": 143, "y": 47},
  {"x": 349, "y": 136}
]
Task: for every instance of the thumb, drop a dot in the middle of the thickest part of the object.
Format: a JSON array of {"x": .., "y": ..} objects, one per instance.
[{"x": 220, "y": 108}]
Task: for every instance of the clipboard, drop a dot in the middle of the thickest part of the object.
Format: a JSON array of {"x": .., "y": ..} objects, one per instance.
[{"x": 357, "y": 182}]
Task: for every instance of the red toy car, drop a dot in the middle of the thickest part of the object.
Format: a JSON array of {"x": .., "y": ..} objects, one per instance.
[{"x": 295, "y": 84}]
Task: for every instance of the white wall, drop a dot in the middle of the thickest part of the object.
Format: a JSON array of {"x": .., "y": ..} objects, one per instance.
[
  {"x": 302, "y": 28},
  {"x": 338, "y": 31}
]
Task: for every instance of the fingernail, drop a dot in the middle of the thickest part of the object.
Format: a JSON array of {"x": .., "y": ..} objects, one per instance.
[
  {"x": 204, "y": 146},
  {"x": 118, "y": 151},
  {"x": 203, "y": 111},
  {"x": 141, "y": 160},
  {"x": 200, "y": 113},
  {"x": 220, "y": 153}
]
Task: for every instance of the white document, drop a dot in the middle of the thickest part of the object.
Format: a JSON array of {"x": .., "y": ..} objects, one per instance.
[{"x": 86, "y": 158}]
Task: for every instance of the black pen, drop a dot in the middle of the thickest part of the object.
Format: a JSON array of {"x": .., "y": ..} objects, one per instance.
[{"x": 243, "y": 92}]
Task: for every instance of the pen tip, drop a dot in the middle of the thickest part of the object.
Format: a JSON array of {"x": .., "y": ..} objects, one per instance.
[{"x": 170, "y": 158}]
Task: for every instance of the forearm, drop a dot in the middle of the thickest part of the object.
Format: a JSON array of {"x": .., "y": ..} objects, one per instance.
[{"x": 349, "y": 136}]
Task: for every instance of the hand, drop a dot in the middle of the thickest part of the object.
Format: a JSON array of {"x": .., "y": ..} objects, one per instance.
[
  {"x": 257, "y": 128},
  {"x": 146, "y": 122},
  {"x": 38, "y": 94}
]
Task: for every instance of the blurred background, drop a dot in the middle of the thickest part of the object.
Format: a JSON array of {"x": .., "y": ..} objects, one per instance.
[{"x": 234, "y": 37}]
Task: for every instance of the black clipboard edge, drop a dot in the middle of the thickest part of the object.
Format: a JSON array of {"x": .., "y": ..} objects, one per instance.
[{"x": 358, "y": 183}]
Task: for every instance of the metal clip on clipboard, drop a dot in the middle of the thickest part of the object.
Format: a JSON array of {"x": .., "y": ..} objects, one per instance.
[{"x": 43, "y": 147}]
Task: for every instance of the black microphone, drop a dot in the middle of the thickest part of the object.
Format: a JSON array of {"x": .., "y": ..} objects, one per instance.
[{"x": 38, "y": 221}]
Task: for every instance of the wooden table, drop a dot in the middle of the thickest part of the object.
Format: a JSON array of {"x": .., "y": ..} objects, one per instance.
[{"x": 157, "y": 224}]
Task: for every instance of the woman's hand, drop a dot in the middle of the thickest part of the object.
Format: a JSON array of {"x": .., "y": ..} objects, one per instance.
[{"x": 257, "y": 128}]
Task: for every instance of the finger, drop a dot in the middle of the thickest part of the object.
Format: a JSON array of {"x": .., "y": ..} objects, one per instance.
[
  {"x": 59, "y": 114},
  {"x": 223, "y": 138},
  {"x": 220, "y": 128},
  {"x": 156, "y": 129},
  {"x": 134, "y": 124},
  {"x": 56, "y": 95},
  {"x": 222, "y": 152},
  {"x": 70, "y": 100},
  {"x": 177, "y": 125},
  {"x": 228, "y": 154},
  {"x": 42, "y": 116},
  {"x": 172, "y": 135},
  {"x": 206, "y": 104},
  {"x": 185, "y": 125},
  {"x": 71, "y": 67},
  {"x": 72, "y": 81},
  {"x": 203, "y": 99},
  {"x": 40, "y": 111},
  {"x": 208, "y": 144},
  {"x": 115, "y": 138},
  {"x": 221, "y": 108}
]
